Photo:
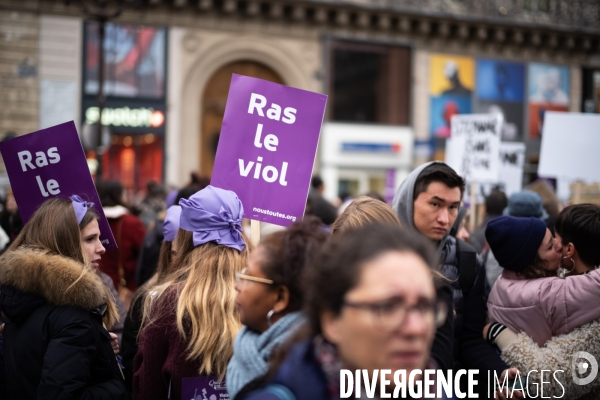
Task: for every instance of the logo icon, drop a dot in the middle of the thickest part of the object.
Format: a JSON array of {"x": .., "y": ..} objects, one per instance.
[{"x": 580, "y": 367}]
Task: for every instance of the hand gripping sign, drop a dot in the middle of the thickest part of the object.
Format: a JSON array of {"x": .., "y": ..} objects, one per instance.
[
  {"x": 51, "y": 163},
  {"x": 267, "y": 147}
]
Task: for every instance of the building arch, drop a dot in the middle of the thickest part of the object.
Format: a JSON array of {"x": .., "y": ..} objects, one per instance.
[{"x": 207, "y": 62}]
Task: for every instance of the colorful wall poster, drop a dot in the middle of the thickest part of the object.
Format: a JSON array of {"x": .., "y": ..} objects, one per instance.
[
  {"x": 548, "y": 90},
  {"x": 500, "y": 89},
  {"x": 451, "y": 84}
]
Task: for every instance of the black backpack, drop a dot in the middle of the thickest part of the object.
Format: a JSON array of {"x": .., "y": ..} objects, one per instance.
[{"x": 467, "y": 266}]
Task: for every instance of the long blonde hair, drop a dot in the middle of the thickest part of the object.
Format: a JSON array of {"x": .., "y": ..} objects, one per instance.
[{"x": 204, "y": 278}]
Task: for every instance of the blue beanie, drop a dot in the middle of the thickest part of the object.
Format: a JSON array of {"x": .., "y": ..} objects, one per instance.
[
  {"x": 515, "y": 241},
  {"x": 526, "y": 203}
]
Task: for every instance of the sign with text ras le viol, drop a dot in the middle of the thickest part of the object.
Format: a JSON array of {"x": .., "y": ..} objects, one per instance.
[
  {"x": 51, "y": 163},
  {"x": 267, "y": 147}
]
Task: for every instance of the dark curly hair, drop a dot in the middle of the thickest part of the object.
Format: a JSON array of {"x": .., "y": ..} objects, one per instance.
[
  {"x": 536, "y": 269},
  {"x": 289, "y": 252},
  {"x": 580, "y": 224}
]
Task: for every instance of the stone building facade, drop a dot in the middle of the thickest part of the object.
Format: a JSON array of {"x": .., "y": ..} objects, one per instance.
[{"x": 293, "y": 42}]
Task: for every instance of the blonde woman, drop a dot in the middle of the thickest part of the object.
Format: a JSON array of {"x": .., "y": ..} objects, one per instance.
[
  {"x": 362, "y": 211},
  {"x": 133, "y": 321},
  {"x": 190, "y": 320},
  {"x": 56, "y": 308}
]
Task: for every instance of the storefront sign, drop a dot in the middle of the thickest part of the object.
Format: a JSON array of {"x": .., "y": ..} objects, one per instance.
[
  {"x": 51, "y": 163},
  {"x": 473, "y": 149},
  {"x": 267, "y": 147},
  {"x": 371, "y": 147},
  {"x": 142, "y": 117}
]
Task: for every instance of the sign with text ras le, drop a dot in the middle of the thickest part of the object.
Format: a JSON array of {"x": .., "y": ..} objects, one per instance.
[
  {"x": 267, "y": 147},
  {"x": 51, "y": 163}
]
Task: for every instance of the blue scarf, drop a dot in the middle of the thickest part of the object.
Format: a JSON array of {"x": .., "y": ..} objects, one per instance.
[{"x": 252, "y": 351}]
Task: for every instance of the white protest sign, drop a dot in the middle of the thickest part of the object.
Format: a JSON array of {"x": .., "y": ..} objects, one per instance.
[
  {"x": 473, "y": 149},
  {"x": 571, "y": 146},
  {"x": 512, "y": 161}
]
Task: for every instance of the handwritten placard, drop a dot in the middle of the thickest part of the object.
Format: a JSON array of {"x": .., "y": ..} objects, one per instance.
[{"x": 473, "y": 150}]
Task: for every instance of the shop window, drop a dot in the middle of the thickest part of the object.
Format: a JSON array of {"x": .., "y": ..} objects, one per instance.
[
  {"x": 369, "y": 83},
  {"x": 590, "y": 91},
  {"x": 134, "y": 160},
  {"x": 134, "y": 60}
]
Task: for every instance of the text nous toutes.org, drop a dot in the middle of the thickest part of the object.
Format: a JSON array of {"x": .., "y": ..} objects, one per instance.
[{"x": 275, "y": 214}]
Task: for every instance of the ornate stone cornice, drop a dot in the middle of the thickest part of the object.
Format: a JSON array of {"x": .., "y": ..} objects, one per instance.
[{"x": 499, "y": 22}]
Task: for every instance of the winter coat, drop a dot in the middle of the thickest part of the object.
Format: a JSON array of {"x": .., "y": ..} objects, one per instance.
[
  {"x": 160, "y": 363},
  {"x": 301, "y": 374},
  {"x": 470, "y": 350},
  {"x": 117, "y": 328},
  {"x": 149, "y": 253},
  {"x": 55, "y": 344},
  {"x": 131, "y": 329},
  {"x": 544, "y": 307},
  {"x": 129, "y": 233},
  {"x": 557, "y": 355}
]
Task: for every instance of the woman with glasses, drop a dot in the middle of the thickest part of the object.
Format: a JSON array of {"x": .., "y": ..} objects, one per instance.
[
  {"x": 190, "y": 321},
  {"x": 371, "y": 305},
  {"x": 269, "y": 301},
  {"x": 366, "y": 210}
]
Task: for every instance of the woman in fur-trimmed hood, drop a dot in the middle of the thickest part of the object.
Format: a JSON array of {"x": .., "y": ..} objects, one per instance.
[{"x": 56, "y": 309}]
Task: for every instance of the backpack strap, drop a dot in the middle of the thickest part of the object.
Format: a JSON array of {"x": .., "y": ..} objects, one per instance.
[
  {"x": 280, "y": 391},
  {"x": 467, "y": 265}
]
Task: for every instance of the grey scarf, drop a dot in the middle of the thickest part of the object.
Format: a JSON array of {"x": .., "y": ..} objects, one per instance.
[{"x": 252, "y": 351}]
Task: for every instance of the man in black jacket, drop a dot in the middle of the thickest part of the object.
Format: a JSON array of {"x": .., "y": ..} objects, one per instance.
[{"x": 427, "y": 202}]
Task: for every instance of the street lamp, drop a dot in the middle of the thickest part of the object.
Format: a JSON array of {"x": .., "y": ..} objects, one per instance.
[{"x": 102, "y": 12}]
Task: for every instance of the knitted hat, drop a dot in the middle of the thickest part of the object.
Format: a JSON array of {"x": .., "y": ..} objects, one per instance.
[
  {"x": 526, "y": 203},
  {"x": 515, "y": 241}
]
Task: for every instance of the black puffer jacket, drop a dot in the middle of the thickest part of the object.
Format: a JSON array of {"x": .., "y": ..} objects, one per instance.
[
  {"x": 470, "y": 350},
  {"x": 55, "y": 345}
]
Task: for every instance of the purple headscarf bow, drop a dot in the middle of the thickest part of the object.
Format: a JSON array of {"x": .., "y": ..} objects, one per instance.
[
  {"x": 80, "y": 206},
  {"x": 213, "y": 215},
  {"x": 171, "y": 223}
]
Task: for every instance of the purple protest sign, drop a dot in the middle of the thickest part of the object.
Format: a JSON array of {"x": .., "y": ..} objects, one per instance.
[
  {"x": 267, "y": 147},
  {"x": 51, "y": 163},
  {"x": 203, "y": 388}
]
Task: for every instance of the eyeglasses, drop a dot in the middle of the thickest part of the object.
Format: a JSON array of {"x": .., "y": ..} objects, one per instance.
[
  {"x": 242, "y": 275},
  {"x": 391, "y": 314}
]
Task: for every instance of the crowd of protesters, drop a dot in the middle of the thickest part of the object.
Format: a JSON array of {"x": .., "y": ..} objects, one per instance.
[{"x": 361, "y": 286}]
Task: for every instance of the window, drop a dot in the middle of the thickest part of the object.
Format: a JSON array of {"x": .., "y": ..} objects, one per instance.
[
  {"x": 134, "y": 60},
  {"x": 369, "y": 83}
]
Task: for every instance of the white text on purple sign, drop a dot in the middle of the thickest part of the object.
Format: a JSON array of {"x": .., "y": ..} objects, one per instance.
[
  {"x": 270, "y": 142},
  {"x": 25, "y": 158}
]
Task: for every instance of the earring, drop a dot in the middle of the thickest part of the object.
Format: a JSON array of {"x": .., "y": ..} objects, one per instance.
[
  {"x": 563, "y": 271},
  {"x": 269, "y": 315}
]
